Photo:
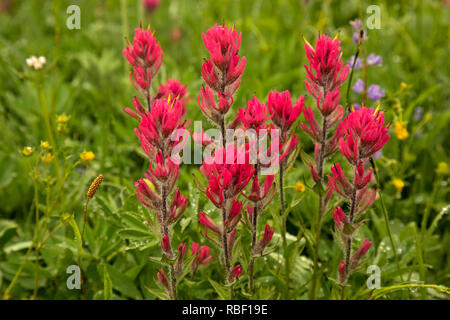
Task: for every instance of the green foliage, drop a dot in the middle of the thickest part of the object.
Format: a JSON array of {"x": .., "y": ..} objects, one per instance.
[{"x": 86, "y": 78}]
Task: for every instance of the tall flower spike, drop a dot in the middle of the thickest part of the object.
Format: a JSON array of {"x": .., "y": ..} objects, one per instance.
[
  {"x": 222, "y": 73},
  {"x": 325, "y": 69},
  {"x": 222, "y": 43},
  {"x": 145, "y": 56}
]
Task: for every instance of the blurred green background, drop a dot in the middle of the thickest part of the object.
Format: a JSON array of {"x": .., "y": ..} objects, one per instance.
[{"x": 86, "y": 78}]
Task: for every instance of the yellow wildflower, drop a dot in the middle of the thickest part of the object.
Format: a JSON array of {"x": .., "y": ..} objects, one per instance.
[
  {"x": 403, "y": 85},
  {"x": 62, "y": 118},
  {"x": 47, "y": 159},
  {"x": 398, "y": 184},
  {"x": 442, "y": 168},
  {"x": 27, "y": 151},
  {"x": 299, "y": 187},
  {"x": 87, "y": 156},
  {"x": 400, "y": 130},
  {"x": 428, "y": 117},
  {"x": 45, "y": 145}
]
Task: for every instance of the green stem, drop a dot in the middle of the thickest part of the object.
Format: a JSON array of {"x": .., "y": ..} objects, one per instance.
[
  {"x": 347, "y": 97},
  {"x": 47, "y": 121},
  {"x": 386, "y": 217},
  {"x": 284, "y": 230},
  {"x": 321, "y": 209}
]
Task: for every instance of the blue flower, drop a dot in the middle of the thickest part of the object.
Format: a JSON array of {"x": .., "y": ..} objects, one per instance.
[
  {"x": 358, "y": 87},
  {"x": 373, "y": 59},
  {"x": 357, "y": 62},
  {"x": 375, "y": 93}
]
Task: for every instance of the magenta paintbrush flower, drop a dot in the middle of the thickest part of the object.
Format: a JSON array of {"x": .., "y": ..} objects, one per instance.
[
  {"x": 178, "y": 206},
  {"x": 222, "y": 73},
  {"x": 223, "y": 44},
  {"x": 364, "y": 134},
  {"x": 162, "y": 278},
  {"x": 145, "y": 56},
  {"x": 157, "y": 127},
  {"x": 144, "y": 51},
  {"x": 173, "y": 90},
  {"x": 202, "y": 256},
  {"x": 158, "y": 135},
  {"x": 356, "y": 257},
  {"x": 165, "y": 246},
  {"x": 151, "y": 5},
  {"x": 214, "y": 110},
  {"x": 234, "y": 215},
  {"x": 209, "y": 223},
  {"x": 264, "y": 241},
  {"x": 228, "y": 172},
  {"x": 235, "y": 273},
  {"x": 282, "y": 112},
  {"x": 342, "y": 271},
  {"x": 326, "y": 71},
  {"x": 254, "y": 115}
]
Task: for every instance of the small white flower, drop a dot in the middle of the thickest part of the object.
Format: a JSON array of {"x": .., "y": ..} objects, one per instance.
[{"x": 36, "y": 63}]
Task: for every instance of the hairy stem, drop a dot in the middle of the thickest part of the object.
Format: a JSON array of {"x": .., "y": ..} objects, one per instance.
[
  {"x": 172, "y": 274},
  {"x": 226, "y": 255},
  {"x": 321, "y": 209},
  {"x": 283, "y": 229},
  {"x": 254, "y": 232}
]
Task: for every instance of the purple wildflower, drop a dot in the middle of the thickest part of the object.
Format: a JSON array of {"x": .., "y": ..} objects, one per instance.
[
  {"x": 418, "y": 114},
  {"x": 356, "y": 24},
  {"x": 374, "y": 92},
  {"x": 357, "y": 62},
  {"x": 358, "y": 87},
  {"x": 378, "y": 154},
  {"x": 373, "y": 59},
  {"x": 356, "y": 106},
  {"x": 357, "y": 27}
]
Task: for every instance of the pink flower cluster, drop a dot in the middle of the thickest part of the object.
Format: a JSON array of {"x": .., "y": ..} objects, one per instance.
[
  {"x": 158, "y": 124},
  {"x": 325, "y": 75},
  {"x": 363, "y": 134},
  {"x": 145, "y": 56},
  {"x": 227, "y": 177},
  {"x": 222, "y": 73}
]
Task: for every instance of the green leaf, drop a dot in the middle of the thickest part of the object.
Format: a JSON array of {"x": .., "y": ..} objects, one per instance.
[
  {"x": 135, "y": 234},
  {"x": 161, "y": 294},
  {"x": 222, "y": 291},
  {"x": 77, "y": 233},
  {"x": 123, "y": 283},
  {"x": 199, "y": 184},
  {"x": 107, "y": 284},
  {"x": 306, "y": 158},
  {"x": 134, "y": 221}
]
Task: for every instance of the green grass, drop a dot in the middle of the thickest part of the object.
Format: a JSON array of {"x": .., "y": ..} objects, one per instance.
[{"x": 86, "y": 77}]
